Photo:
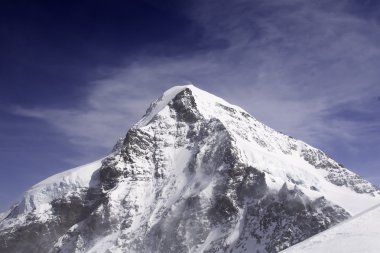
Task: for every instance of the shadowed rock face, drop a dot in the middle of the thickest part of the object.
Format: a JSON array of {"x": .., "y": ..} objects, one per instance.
[
  {"x": 185, "y": 107},
  {"x": 287, "y": 218},
  {"x": 181, "y": 183}
]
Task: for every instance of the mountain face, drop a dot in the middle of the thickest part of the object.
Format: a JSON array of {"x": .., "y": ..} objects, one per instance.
[
  {"x": 358, "y": 234},
  {"x": 195, "y": 174}
]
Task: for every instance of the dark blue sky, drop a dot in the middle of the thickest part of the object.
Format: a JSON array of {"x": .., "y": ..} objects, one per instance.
[{"x": 75, "y": 75}]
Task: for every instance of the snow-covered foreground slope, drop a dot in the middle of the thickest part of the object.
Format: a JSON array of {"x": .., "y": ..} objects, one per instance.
[
  {"x": 195, "y": 174},
  {"x": 360, "y": 233}
]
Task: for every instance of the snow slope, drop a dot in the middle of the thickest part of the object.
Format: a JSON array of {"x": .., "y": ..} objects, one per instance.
[{"x": 360, "y": 233}]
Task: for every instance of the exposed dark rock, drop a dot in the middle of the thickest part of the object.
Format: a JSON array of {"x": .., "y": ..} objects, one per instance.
[
  {"x": 291, "y": 216},
  {"x": 109, "y": 176},
  {"x": 222, "y": 210},
  {"x": 185, "y": 107},
  {"x": 252, "y": 184}
]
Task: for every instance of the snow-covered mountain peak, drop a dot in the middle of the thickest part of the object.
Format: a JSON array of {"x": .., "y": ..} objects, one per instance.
[
  {"x": 283, "y": 159},
  {"x": 195, "y": 174}
]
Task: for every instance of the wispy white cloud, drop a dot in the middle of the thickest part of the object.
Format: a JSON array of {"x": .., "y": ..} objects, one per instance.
[{"x": 295, "y": 65}]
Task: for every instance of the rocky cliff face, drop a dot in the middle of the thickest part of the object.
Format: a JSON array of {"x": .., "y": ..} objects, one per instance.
[{"x": 195, "y": 174}]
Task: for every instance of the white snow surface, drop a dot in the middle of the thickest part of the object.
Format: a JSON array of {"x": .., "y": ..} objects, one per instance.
[{"x": 358, "y": 234}]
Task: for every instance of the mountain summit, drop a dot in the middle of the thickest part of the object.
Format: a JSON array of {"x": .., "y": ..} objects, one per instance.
[{"x": 195, "y": 174}]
